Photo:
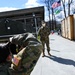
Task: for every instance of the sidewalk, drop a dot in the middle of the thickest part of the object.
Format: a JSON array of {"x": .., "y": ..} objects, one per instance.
[{"x": 62, "y": 61}]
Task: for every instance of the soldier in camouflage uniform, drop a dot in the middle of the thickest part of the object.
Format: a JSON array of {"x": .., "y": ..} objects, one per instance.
[
  {"x": 24, "y": 61},
  {"x": 22, "y": 40},
  {"x": 44, "y": 33}
]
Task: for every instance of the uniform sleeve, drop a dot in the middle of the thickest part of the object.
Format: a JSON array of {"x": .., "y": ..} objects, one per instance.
[
  {"x": 39, "y": 32},
  {"x": 48, "y": 30}
]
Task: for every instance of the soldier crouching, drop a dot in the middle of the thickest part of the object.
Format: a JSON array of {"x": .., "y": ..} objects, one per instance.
[{"x": 24, "y": 61}]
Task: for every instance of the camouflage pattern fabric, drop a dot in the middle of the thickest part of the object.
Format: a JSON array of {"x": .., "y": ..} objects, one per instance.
[
  {"x": 44, "y": 37},
  {"x": 44, "y": 33},
  {"x": 22, "y": 39},
  {"x": 28, "y": 57}
]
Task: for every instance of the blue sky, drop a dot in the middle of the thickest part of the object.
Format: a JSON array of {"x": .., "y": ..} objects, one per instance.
[
  {"x": 7, "y": 5},
  {"x": 18, "y": 4},
  {"x": 13, "y": 3}
]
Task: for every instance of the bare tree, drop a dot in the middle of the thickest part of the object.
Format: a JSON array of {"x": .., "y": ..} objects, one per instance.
[
  {"x": 63, "y": 2},
  {"x": 48, "y": 5},
  {"x": 69, "y": 3}
]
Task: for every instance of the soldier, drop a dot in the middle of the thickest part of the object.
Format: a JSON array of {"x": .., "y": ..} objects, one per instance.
[
  {"x": 25, "y": 60},
  {"x": 44, "y": 37},
  {"x": 5, "y": 59}
]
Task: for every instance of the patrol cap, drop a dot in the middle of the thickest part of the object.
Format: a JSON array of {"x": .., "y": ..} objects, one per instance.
[
  {"x": 43, "y": 23},
  {"x": 4, "y": 52}
]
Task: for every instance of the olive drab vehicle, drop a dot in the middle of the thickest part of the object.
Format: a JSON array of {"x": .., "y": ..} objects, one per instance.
[
  {"x": 10, "y": 27},
  {"x": 25, "y": 60}
]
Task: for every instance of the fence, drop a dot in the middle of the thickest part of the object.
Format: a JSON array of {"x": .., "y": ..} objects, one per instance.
[{"x": 68, "y": 27}]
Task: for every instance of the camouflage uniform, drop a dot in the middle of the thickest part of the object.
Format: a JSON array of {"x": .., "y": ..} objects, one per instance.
[
  {"x": 44, "y": 32},
  {"x": 22, "y": 40},
  {"x": 4, "y": 69},
  {"x": 28, "y": 56}
]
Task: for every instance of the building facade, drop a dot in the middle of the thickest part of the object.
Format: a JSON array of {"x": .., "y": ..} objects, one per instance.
[{"x": 30, "y": 17}]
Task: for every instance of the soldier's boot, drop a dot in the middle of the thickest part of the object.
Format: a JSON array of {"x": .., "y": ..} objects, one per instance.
[
  {"x": 49, "y": 54},
  {"x": 49, "y": 51},
  {"x": 43, "y": 52},
  {"x": 43, "y": 55}
]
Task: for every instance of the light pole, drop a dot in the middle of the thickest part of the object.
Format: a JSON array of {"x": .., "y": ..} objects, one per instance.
[{"x": 35, "y": 23}]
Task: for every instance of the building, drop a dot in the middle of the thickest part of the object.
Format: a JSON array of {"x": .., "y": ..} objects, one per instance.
[{"x": 30, "y": 17}]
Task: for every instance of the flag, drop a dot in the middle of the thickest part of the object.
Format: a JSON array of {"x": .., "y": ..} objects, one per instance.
[
  {"x": 56, "y": 4},
  {"x": 57, "y": 11},
  {"x": 16, "y": 60}
]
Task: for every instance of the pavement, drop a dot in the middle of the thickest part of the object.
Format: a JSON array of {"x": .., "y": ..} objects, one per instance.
[{"x": 62, "y": 61}]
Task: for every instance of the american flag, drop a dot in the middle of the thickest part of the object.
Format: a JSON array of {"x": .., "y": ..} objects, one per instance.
[
  {"x": 56, "y": 4},
  {"x": 16, "y": 61}
]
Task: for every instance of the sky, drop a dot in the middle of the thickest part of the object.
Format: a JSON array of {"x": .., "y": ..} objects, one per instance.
[
  {"x": 8, "y": 5},
  {"x": 61, "y": 16}
]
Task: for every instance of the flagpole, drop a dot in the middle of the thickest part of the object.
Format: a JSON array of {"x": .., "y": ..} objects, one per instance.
[
  {"x": 49, "y": 14},
  {"x": 53, "y": 20}
]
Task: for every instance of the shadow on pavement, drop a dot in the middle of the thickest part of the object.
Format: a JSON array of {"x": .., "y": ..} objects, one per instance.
[
  {"x": 52, "y": 39},
  {"x": 55, "y": 50},
  {"x": 62, "y": 60}
]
